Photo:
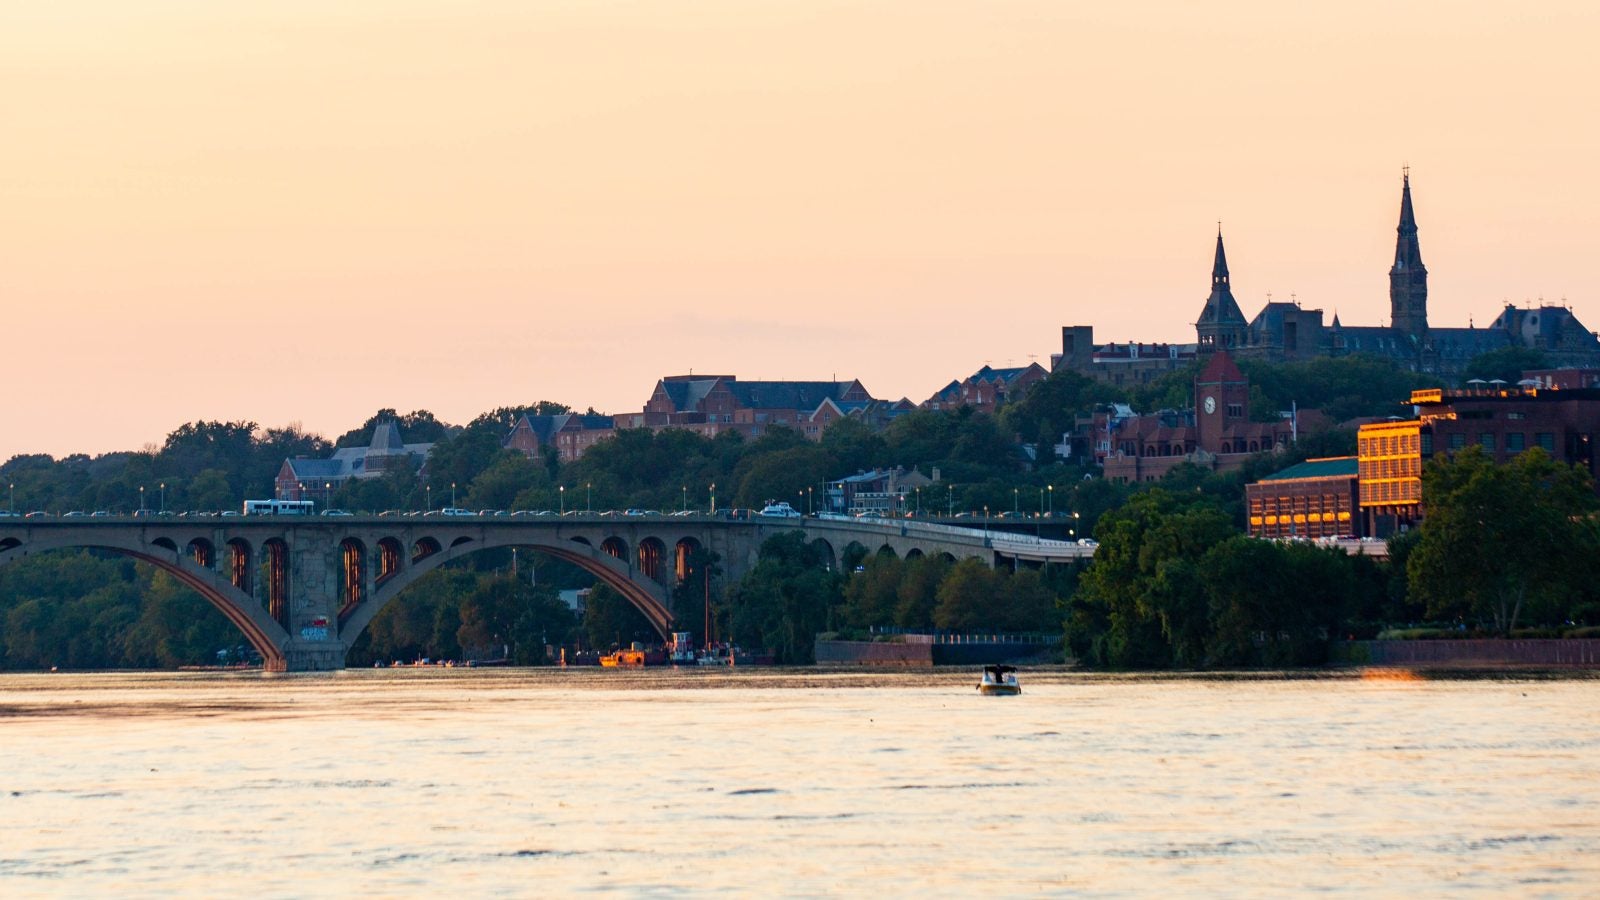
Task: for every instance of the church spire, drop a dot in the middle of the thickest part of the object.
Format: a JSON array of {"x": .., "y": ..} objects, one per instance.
[
  {"x": 1219, "y": 268},
  {"x": 1408, "y": 278},
  {"x": 1222, "y": 325}
]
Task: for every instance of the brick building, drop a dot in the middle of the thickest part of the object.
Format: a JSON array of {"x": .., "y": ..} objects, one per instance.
[
  {"x": 709, "y": 404},
  {"x": 570, "y": 433},
  {"x": 1317, "y": 498},
  {"x": 987, "y": 388},
  {"x": 1217, "y": 434},
  {"x": 1503, "y": 420}
]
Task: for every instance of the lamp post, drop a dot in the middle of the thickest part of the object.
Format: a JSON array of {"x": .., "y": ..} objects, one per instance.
[
  {"x": 986, "y": 523},
  {"x": 452, "y": 495},
  {"x": 588, "y": 495},
  {"x": 163, "y": 497},
  {"x": 1016, "y": 503},
  {"x": 562, "y": 492},
  {"x": 1073, "y": 531},
  {"x": 686, "y": 498},
  {"x": 327, "y": 493},
  {"x": 713, "y": 498},
  {"x": 141, "y": 499},
  {"x": 427, "y": 493},
  {"x": 951, "y": 503},
  {"x": 11, "y": 504},
  {"x": 919, "y": 502},
  {"x": 1051, "y": 490},
  {"x": 809, "y": 507}
]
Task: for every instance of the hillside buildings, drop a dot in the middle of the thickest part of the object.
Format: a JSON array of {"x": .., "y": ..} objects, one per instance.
[
  {"x": 318, "y": 480},
  {"x": 1286, "y": 332},
  {"x": 1217, "y": 434},
  {"x": 1503, "y": 420}
]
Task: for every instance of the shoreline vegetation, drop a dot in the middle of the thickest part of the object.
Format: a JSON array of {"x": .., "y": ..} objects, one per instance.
[{"x": 1175, "y": 582}]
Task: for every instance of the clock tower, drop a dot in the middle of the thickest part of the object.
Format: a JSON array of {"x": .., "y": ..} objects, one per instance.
[{"x": 1221, "y": 399}]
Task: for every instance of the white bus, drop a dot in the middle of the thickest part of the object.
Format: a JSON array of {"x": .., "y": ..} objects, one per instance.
[{"x": 278, "y": 507}]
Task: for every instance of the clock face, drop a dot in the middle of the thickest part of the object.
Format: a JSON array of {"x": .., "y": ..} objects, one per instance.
[{"x": 1211, "y": 405}]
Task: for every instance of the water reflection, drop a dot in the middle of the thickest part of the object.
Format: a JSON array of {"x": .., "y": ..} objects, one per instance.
[{"x": 798, "y": 781}]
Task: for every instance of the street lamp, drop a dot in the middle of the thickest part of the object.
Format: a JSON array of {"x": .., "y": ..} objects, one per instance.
[
  {"x": 163, "y": 496},
  {"x": 452, "y": 495},
  {"x": 562, "y": 492},
  {"x": 686, "y": 498},
  {"x": 327, "y": 493},
  {"x": 1051, "y": 490},
  {"x": 986, "y": 523},
  {"x": 1073, "y": 531},
  {"x": 427, "y": 492},
  {"x": 713, "y": 498},
  {"x": 918, "y": 492},
  {"x": 1016, "y": 503},
  {"x": 11, "y": 504},
  {"x": 951, "y": 503},
  {"x": 588, "y": 492},
  {"x": 141, "y": 499}
]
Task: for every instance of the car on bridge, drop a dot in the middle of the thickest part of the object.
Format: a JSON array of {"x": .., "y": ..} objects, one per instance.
[{"x": 780, "y": 510}]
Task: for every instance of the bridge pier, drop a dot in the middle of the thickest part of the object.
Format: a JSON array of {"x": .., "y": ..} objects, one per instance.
[
  {"x": 310, "y": 656},
  {"x": 314, "y": 643}
]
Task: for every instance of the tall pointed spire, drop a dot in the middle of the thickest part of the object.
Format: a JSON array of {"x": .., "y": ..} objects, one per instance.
[
  {"x": 1222, "y": 325},
  {"x": 1219, "y": 268},
  {"x": 1408, "y": 278}
]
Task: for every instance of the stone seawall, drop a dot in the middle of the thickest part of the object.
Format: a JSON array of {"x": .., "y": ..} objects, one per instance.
[
  {"x": 873, "y": 653},
  {"x": 1557, "y": 652}
]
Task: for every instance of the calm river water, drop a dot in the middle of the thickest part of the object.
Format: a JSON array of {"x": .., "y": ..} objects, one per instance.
[{"x": 520, "y": 782}]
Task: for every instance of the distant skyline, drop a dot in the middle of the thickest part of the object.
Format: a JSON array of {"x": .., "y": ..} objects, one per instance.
[{"x": 304, "y": 213}]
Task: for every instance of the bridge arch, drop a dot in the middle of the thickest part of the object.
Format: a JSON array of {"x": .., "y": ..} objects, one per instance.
[
  {"x": 391, "y": 556},
  {"x": 682, "y": 558},
  {"x": 614, "y": 546},
  {"x": 203, "y": 552},
  {"x": 824, "y": 550},
  {"x": 423, "y": 548},
  {"x": 166, "y": 544},
  {"x": 648, "y": 597},
  {"x": 352, "y": 574},
  {"x": 913, "y": 553},
  {"x": 239, "y": 565},
  {"x": 266, "y": 636},
  {"x": 651, "y": 553}
]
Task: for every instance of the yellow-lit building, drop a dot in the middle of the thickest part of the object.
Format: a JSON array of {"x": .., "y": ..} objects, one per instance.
[
  {"x": 1314, "y": 499},
  {"x": 1389, "y": 473}
]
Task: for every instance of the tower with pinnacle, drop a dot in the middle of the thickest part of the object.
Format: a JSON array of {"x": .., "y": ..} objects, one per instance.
[
  {"x": 1221, "y": 325},
  {"x": 1408, "y": 278}
]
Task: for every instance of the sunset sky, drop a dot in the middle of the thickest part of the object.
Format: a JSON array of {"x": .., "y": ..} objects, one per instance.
[{"x": 303, "y": 212}]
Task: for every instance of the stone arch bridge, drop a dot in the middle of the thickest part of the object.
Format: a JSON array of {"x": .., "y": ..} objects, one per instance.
[{"x": 301, "y": 590}]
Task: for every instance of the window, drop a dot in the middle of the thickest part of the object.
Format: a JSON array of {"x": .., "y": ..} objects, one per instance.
[
  {"x": 1516, "y": 442},
  {"x": 1235, "y": 410},
  {"x": 1427, "y": 445},
  {"x": 1458, "y": 441},
  {"x": 1487, "y": 440},
  {"x": 1547, "y": 440}
]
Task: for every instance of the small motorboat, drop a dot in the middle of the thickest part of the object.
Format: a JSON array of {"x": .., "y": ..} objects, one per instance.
[{"x": 1000, "y": 681}]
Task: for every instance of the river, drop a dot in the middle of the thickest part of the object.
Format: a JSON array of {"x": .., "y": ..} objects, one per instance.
[{"x": 521, "y": 782}]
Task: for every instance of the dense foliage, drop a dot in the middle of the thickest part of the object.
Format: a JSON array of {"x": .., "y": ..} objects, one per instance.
[
  {"x": 1506, "y": 543},
  {"x": 1174, "y": 585},
  {"x": 1164, "y": 591}
]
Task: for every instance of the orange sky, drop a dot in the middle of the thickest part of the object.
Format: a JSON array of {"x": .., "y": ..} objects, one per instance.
[{"x": 307, "y": 211}]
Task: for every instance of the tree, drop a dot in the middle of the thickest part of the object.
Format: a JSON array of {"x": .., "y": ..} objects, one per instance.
[
  {"x": 1498, "y": 540},
  {"x": 785, "y": 600},
  {"x": 1507, "y": 364},
  {"x": 1139, "y": 605}
]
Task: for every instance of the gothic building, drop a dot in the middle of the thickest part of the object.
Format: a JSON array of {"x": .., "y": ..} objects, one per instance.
[{"x": 1286, "y": 332}]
